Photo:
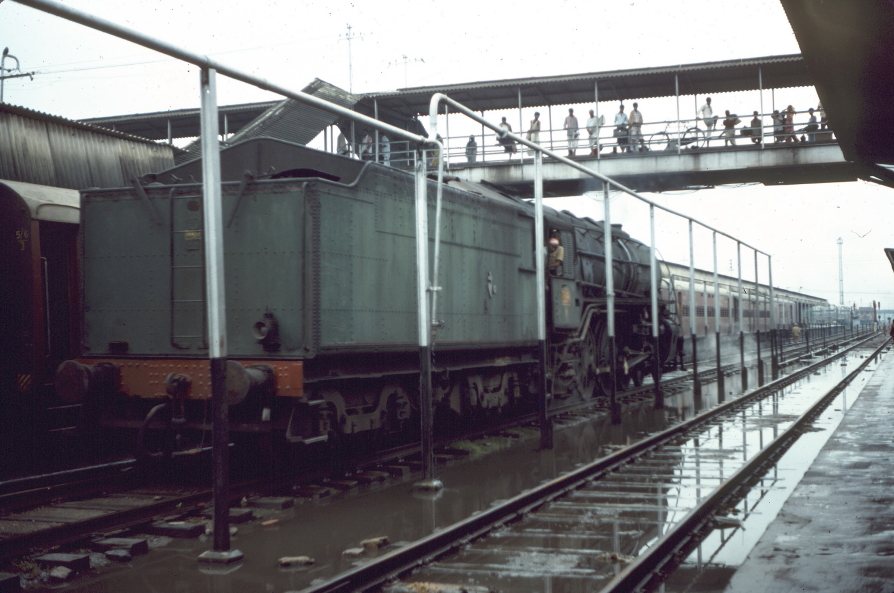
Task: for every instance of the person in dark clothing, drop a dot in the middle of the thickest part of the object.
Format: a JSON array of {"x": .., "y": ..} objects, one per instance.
[
  {"x": 757, "y": 130},
  {"x": 729, "y": 125}
]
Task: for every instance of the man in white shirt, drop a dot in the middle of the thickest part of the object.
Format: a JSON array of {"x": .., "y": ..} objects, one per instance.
[
  {"x": 621, "y": 129},
  {"x": 572, "y": 129},
  {"x": 636, "y": 124},
  {"x": 385, "y": 150},
  {"x": 707, "y": 114},
  {"x": 593, "y": 124}
]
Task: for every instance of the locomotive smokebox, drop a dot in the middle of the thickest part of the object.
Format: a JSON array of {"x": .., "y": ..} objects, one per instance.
[
  {"x": 256, "y": 380},
  {"x": 74, "y": 381}
]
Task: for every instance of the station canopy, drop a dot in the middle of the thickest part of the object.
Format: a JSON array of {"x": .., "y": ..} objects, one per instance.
[
  {"x": 615, "y": 85},
  {"x": 848, "y": 48}
]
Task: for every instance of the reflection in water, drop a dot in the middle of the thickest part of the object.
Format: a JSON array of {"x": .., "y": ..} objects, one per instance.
[{"x": 593, "y": 522}]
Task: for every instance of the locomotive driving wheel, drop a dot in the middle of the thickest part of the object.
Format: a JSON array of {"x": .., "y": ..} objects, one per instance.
[
  {"x": 587, "y": 368},
  {"x": 603, "y": 361}
]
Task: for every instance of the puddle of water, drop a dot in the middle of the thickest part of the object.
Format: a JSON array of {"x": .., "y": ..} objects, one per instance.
[
  {"x": 324, "y": 531},
  {"x": 716, "y": 558}
]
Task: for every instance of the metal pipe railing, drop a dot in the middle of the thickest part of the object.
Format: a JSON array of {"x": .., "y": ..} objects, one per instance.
[
  {"x": 214, "y": 241},
  {"x": 665, "y": 136}
]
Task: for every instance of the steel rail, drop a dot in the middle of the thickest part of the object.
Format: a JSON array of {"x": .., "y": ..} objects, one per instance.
[
  {"x": 394, "y": 564},
  {"x": 17, "y": 545},
  {"x": 642, "y": 573}
]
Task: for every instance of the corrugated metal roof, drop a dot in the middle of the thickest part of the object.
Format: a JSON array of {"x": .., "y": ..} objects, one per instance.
[
  {"x": 294, "y": 121},
  {"x": 49, "y": 150},
  {"x": 615, "y": 85},
  {"x": 184, "y": 122}
]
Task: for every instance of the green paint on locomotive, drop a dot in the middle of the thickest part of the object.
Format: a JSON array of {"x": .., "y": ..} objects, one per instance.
[{"x": 348, "y": 245}]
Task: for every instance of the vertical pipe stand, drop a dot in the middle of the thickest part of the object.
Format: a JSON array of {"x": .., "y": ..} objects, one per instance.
[
  {"x": 428, "y": 482},
  {"x": 217, "y": 329},
  {"x": 546, "y": 424}
]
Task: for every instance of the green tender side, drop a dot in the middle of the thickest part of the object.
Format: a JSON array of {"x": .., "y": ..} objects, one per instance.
[{"x": 144, "y": 281}]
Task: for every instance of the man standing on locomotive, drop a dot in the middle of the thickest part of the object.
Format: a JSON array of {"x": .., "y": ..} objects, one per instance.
[{"x": 556, "y": 257}]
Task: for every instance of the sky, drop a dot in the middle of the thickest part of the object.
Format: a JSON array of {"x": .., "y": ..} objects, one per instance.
[{"x": 82, "y": 73}]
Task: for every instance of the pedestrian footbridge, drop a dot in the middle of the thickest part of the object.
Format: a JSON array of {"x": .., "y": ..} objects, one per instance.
[{"x": 656, "y": 171}]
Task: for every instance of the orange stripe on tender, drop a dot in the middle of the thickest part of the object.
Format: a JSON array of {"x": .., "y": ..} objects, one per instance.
[{"x": 146, "y": 378}]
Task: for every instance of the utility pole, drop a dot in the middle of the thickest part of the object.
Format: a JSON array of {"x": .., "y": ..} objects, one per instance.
[
  {"x": 4, "y": 70},
  {"x": 405, "y": 61},
  {"x": 350, "y": 37},
  {"x": 840, "y": 274}
]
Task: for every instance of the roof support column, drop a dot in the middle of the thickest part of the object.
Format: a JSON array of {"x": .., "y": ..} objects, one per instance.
[
  {"x": 549, "y": 111},
  {"x": 226, "y": 126},
  {"x": 598, "y": 127},
  {"x": 170, "y": 137},
  {"x": 521, "y": 123},
  {"x": 376, "y": 115},
  {"x": 483, "y": 142},
  {"x": 677, "y": 92},
  {"x": 760, "y": 86}
]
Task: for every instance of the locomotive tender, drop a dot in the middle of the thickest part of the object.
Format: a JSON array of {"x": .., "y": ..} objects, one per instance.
[{"x": 321, "y": 301}]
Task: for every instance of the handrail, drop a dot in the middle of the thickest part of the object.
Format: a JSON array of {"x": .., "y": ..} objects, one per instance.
[
  {"x": 203, "y": 61},
  {"x": 438, "y": 98}
]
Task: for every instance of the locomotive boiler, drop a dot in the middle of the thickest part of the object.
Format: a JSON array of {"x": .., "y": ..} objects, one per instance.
[{"x": 321, "y": 301}]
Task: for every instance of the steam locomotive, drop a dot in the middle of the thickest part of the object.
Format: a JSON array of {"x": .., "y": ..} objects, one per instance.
[{"x": 321, "y": 302}]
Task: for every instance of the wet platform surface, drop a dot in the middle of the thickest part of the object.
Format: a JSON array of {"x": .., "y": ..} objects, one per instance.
[{"x": 836, "y": 531}]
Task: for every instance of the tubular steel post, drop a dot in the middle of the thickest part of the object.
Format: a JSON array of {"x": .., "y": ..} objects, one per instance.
[
  {"x": 705, "y": 298},
  {"x": 546, "y": 425},
  {"x": 774, "y": 330},
  {"x": 677, "y": 91},
  {"x": 756, "y": 315},
  {"x": 483, "y": 139},
  {"x": 720, "y": 385},
  {"x": 217, "y": 323},
  {"x": 693, "y": 316},
  {"x": 445, "y": 151},
  {"x": 653, "y": 282},
  {"x": 376, "y": 116},
  {"x": 610, "y": 305},
  {"x": 598, "y": 127},
  {"x": 760, "y": 84},
  {"x": 549, "y": 112},
  {"x": 742, "y": 370},
  {"x": 424, "y": 325}
]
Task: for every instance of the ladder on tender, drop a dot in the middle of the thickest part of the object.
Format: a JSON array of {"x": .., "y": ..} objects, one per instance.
[{"x": 188, "y": 319}]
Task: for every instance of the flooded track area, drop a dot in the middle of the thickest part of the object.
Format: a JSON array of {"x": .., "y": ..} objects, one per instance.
[
  {"x": 576, "y": 545},
  {"x": 581, "y": 541}
]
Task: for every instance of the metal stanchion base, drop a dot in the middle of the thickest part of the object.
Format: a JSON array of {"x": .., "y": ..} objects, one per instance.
[
  {"x": 216, "y": 557},
  {"x": 432, "y": 485},
  {"x": 546, "y": 434}
]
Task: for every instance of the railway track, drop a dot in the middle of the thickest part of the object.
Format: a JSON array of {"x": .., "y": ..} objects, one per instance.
[
  {"x": 66, "y": 506},
  {"x": 618, "y": 522}
]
